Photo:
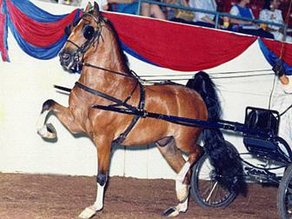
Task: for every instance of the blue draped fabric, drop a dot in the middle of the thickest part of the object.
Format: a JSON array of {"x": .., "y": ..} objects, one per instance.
[
  {"x": 35, "y": 12},
  {"x": 34, "y": 51},
  {"x": 28, "y": 15},
  {"x": 272, "y": 58}
]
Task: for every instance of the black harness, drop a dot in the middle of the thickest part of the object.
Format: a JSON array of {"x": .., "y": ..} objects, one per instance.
[
  {"x": 94, "y": 38},
  {"x": 119, "y": 103}
]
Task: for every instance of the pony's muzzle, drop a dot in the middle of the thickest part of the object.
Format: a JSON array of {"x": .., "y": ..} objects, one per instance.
[
  {"x": 65, "y": 59},
  {"x": 70, "y": 62},
  {"x": 64, "y": 56}
]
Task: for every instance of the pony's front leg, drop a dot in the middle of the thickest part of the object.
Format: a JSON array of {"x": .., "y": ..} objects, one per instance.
[
  {"x": 103, "y": 152},
  {"x": 47, "y": 130}
]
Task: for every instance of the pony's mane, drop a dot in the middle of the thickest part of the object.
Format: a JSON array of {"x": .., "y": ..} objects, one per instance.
[{"x": 124, "y": 58}]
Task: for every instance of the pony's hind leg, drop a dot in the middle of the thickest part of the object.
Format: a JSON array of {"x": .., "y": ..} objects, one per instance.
[
  {"x": 173, "y": 156},
  {"x": 47, "y": 130}
]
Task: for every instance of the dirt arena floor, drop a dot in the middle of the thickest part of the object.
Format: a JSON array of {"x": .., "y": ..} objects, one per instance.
[{"x": 25, "y": 196}]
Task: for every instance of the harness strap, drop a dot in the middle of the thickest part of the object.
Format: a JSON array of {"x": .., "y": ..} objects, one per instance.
[
  {"x": 104, "y": 95},
  {"x": 135, "y": 119},
  {"x": 118, "y": 102}
]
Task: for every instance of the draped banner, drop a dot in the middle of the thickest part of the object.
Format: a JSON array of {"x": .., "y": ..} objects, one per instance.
[
  {"x": 38, "y": 33},
  {"x": 273, "y": 50},
  {"x": 176, "y": 46},
  {"x": 3, "y": 31},
  {"x": 167, "y": 44}
]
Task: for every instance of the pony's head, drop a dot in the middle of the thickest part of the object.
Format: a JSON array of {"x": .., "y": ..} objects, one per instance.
[{"x": 84, "y": 35}]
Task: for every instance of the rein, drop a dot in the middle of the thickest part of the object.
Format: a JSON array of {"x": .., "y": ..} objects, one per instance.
[
  {"x": 117, "y": 102},
  {"x": 108, "y": 70}
]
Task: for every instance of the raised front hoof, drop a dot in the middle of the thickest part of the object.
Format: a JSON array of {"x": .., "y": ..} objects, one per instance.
[
  {"x": 48, "y": 132},
  {"x": 171, "y": 212},
  {"x": 87, "y": 213}
]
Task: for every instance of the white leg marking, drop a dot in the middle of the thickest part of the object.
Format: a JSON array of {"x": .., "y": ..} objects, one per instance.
[
  {"x": 42, "y": 127},
  {"x": 182, "y": 190},
  {"x": 182, "y": 193},
  {"x": 174, "y": 211},
  {"x": 184, "y": 170},
  {"x": 97, "y": 206},
  {"x": 183, "y": 206},
  {"x": 42, "y": 119}
]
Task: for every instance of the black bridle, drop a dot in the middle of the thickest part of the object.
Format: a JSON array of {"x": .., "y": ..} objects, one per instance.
[{"x": 93, "y": 36}]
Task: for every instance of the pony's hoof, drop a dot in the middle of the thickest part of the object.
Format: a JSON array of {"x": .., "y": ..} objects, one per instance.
[
  {"x": 48, "y": 131},
  {"x": 171, "y": 212},
  {"x": 87, "y": 213}
]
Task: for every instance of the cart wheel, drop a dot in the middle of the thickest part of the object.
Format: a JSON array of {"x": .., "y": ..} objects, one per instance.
[
  {"x": 285, "y": 195},
  {"x": 205, "y": 189}
]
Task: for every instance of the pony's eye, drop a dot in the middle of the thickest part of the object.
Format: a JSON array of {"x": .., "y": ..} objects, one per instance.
[{"x": 88, "y": 32}]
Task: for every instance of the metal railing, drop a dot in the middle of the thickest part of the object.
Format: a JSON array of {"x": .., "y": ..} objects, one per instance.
[{"x": 215, "y": 13}]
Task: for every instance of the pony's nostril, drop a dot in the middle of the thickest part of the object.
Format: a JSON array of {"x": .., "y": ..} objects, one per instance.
[{"x": 64, "y": 56}]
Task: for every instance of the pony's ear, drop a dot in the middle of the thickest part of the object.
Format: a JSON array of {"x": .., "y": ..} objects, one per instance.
[
  {"x": 96, "y": 10},
  {"x": 88, "y": 7}
]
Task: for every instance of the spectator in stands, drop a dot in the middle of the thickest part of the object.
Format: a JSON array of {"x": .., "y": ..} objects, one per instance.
[
  {"x": 242, "y": 10},
  {"x": 282, "y": 103},
  {"x": 271, "y": 13},
  {"x": 204, "y": 19},
  {"x": 200, "y": 18},
  {"x": 246, "y": 26},
  {"x": 131, "y": 7}
]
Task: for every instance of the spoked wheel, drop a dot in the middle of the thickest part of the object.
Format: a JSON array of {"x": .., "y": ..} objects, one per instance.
[
  {"x": 285, "y": 195},
  {"x": 205, "y": 189}
]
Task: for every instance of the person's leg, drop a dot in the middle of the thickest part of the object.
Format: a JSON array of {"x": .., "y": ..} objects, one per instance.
[
  {"x": 156, "y": 12},
  {"x": 145, "y": 10}
]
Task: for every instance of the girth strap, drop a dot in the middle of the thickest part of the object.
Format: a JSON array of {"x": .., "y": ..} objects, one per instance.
[
  {"x": 118, "y": 102},
  {"x": 135, "y": 119}
]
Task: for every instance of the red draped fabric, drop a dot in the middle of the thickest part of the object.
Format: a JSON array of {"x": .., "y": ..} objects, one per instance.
[
  {"x": 177, "y": 46},
  {"x": 283, "y": 50},
  {"x": 3, "y": 50},
  {"x": 41, "y": 34},
  {"x": 2, "y": 46}
]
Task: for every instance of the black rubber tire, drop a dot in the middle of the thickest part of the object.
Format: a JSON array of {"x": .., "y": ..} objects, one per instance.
[
  {"x": 204, "y": 184},
  {"x": 284, "y": 199}
]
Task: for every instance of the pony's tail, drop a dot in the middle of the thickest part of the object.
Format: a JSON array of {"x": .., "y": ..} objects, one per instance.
[{"x": 223, "y": 157}]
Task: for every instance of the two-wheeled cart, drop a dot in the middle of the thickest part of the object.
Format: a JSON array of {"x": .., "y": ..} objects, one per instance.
[
  {"x": 271, "y": 154},
  {"x": 260, "y": 137}
]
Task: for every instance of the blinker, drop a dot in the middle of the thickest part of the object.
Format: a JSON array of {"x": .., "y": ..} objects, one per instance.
[
  {"x": 88, "y": 32},
  {"x": 67, "y": 30}
]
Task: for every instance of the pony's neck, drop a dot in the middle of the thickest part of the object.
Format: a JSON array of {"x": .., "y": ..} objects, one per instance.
[{"x": 106, "y": 55}]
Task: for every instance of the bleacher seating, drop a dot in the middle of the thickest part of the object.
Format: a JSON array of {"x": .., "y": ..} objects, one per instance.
[{"x": 256, "y": 6}]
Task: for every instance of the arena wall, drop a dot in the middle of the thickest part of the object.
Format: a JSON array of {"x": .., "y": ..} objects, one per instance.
[{"x": 27, "y": 82}]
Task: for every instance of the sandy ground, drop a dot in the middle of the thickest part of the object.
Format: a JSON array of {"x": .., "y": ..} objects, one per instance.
[{"x": 24, "y": 196}]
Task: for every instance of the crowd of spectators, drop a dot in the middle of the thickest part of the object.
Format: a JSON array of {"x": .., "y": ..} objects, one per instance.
[
  {"x": 241, "y": 18},
  {"x": 240, "y": 21}
]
